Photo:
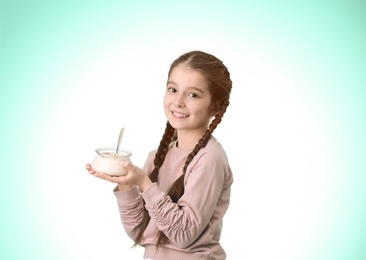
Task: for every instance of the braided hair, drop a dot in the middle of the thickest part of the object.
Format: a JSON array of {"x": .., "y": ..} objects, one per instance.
[{"x": 220, "y": 84}]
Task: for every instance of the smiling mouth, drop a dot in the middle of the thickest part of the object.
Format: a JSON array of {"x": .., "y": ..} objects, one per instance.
[{"x": 179, "y": 115}]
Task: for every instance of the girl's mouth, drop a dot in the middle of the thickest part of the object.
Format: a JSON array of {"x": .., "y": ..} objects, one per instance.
[{"x": 179, "y": 115}]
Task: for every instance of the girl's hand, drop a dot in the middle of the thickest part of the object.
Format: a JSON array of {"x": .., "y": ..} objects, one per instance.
[
  {"x": 102, "y": 175},
  {"x": 89, "y": 169},
  {"x": 134, "y": 176}
]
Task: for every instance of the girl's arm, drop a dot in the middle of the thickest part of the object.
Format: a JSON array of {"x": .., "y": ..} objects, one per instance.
[{"x": 204, "y": 202}]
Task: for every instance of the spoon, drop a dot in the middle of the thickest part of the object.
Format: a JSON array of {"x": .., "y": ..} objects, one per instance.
[{"x": 120, "y": 137}]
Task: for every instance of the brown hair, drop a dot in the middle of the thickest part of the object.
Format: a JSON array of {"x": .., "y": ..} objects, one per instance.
[{"x": 219, "y": 82}]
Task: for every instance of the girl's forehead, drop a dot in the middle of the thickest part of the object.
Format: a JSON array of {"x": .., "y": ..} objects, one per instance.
[
  {"x": 186, "y": 72},
  {"x": 186, "y": 77}
]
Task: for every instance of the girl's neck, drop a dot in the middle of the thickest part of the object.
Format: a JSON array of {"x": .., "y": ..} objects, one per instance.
[{"x": 188, "y": 139}]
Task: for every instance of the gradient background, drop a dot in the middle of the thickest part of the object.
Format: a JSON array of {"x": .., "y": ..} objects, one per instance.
[{"x": 74, "y": 72}]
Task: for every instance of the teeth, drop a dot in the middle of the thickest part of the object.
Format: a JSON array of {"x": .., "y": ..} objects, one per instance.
[{"x": 179, "y": 115}]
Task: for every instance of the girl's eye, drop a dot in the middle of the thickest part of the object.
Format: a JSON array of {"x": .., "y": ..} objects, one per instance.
[
  {"x": 194, "y": 95},
  {"x": 171, "y": 89}
]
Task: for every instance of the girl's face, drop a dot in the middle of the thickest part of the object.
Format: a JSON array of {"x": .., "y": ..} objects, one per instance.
[{"x": 187, "y": 100}]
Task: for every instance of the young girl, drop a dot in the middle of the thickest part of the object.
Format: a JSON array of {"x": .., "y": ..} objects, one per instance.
[{"x": 174, "y": 206}]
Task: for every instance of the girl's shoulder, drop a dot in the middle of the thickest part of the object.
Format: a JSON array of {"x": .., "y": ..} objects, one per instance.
[
  {"x": 213, "y": 151},
  {"x": 214, "y": 146}
]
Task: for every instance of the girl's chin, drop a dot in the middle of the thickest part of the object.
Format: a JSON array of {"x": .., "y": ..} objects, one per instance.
[{"x": 175, "y": 125}]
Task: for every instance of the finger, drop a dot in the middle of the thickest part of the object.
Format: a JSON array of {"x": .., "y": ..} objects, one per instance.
[
  {"x": 127, "y": 164},
  {"x": 118, "y": 179},
  {"x": 89, "y": 168},
  {"x": 102, "y": 175},
  {"x": 114, "y": 179}
]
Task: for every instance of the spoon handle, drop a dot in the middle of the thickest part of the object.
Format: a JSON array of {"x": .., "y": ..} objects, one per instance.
[{"x": 120, "y": 137}]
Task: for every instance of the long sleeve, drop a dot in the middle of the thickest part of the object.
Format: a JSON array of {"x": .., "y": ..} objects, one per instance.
[{"x": 131, "y": 207}]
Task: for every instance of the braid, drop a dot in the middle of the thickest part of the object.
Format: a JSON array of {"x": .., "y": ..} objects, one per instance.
[
  {"x": 168, "y": 136},
  {"x": 203, "y": 141}
]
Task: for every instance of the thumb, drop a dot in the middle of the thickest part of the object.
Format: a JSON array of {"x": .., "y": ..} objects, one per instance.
[{"x": 126, "y": 164}]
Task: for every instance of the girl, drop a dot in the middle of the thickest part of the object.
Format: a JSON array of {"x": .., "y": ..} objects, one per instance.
[{"x": 174, "y": 206}]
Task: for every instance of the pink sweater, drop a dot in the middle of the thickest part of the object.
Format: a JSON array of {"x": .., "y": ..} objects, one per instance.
[{"x": 193, "y": 225}]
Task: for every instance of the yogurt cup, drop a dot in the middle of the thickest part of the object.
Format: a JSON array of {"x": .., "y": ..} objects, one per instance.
[{"x": 108, "y": 160}]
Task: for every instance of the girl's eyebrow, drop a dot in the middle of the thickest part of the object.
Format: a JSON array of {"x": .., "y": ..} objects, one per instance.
[
  {"x": 171, "y": 82},
  {"x": 196, "y": 89}
]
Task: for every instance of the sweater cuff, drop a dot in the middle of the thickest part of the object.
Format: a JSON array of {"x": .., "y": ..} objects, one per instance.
[{"x": 126, "y": 194}]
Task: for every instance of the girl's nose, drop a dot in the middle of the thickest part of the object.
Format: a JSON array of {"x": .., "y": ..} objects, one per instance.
[{"x": 179, "y": 101}]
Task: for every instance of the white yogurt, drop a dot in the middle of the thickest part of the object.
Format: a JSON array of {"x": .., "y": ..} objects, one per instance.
[{"x": 108, "y": 161}]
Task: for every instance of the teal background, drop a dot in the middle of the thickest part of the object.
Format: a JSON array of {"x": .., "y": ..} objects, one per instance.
[{"x": 53, "y": 107}]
